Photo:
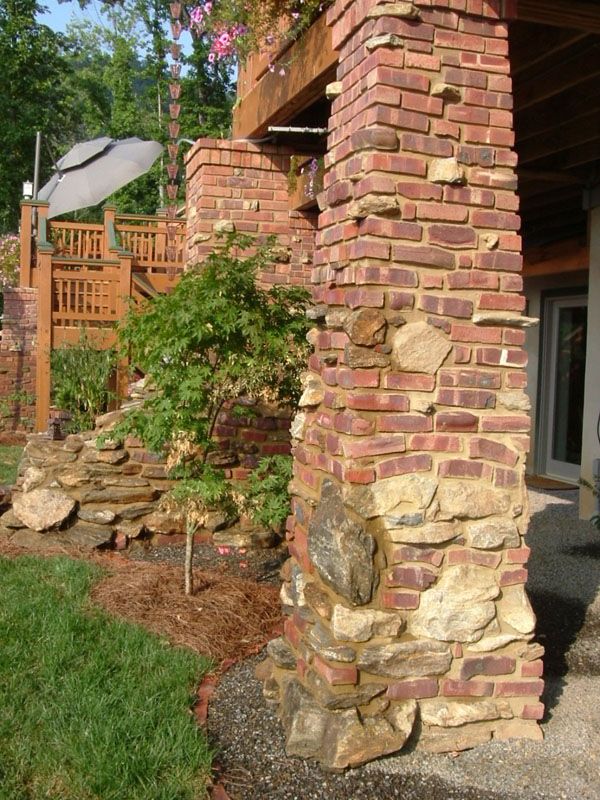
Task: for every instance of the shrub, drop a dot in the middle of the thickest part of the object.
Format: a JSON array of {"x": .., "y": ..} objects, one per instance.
[{"x": 80, "y": 381}]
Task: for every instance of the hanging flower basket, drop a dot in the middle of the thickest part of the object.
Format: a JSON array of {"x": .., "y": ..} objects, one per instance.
[{"x": 236, "y": 28}]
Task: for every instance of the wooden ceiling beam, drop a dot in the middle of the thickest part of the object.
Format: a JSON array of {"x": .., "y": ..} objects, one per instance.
[
  {"x": 548, "y": 176},
  {"x": 561, "y": 13},
  {"x": 527, "y": 51},
  {"x": 562, "y": 75},
  {"x": 580, "y": 101},
  {"x": 562, "y": 137}
]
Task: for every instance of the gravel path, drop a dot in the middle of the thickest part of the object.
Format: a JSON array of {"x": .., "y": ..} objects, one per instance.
[{"x": 564, "y": 584}]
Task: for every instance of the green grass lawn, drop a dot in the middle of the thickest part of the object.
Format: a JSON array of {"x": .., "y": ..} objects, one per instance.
[
  {"x": 90, "y": 707},
  {"x": 9, "y": 461}
]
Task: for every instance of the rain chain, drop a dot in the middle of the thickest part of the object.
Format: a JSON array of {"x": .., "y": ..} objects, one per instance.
[{"x": 174, "y": 127}]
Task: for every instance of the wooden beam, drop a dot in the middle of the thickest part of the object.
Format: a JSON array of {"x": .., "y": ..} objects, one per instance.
[
  {"x": 549, "y": 176},
  {"x": 277, "y": 98},
  {"x": 561, "y": 13},
  {"x": 536, "y": 121},
  {"x": 561, "y": 137},
  {"x": 529, "y": 47},
  {"x": 566, "y": 256},
  {"x": 562, "y": 75}
]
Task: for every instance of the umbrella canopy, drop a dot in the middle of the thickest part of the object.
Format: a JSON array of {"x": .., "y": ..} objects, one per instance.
[
  {"x": 82, "y": 152},
  {"x": 116, "y": 165}
]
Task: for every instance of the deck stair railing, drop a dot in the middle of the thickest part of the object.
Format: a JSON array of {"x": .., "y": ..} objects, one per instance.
[{"x": 86, "y": 275}]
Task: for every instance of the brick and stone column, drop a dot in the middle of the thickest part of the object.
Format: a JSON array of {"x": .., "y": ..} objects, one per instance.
[
  {"x": 17, "y": 359},
  {"x": 407, "y": 610}
]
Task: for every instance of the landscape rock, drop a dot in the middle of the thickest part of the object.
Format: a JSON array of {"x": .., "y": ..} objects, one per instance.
[
  {"x": 313, "y": 393},
  {"x": 349, "y": 698},
  {"x": 491, "y": 533},
  {"x": 236, "y": 537},
  {"x": 363, "y": 357},
  {"x": 403, "y": 10},
  {"x": 32, "y": 478},
  {"x": 458, "y": 607},
  {"x": 340, "y": 549},
  {"x": 360, "y": 625},
  {"x": 416, "y": 658},
  {"x": 388, "y": 494},
  {"x": 446, "y": 92},
  {"x": 87, "y": 535},
  {"x": 515, "y": 609},
  {"x": 318, "y": 599},
  {"x": 281, "y": 653},
  {"x": 417, "y": 347},
  {"x": 100, "y": 516},
  {"x": 41, "y": 509},
  {"x": 118, "y": 495},
  {"x": 10, "y": 520},
  {"x": 366, "y": 327},
  {"x": 384, "y": 205},
  {"x": 465, "y": 501},
  {"x": 451, "y": 714},
  {"x": 321, "y": 640},
  {"x": 431, "y": 533},
  {"x": 446, "y": 170},
  {"x": 384, "y": 40}
]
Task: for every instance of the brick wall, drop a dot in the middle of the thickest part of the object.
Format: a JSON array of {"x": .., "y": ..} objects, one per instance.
[
  {"x": 241, "y": 185},
  {"x": 407, "y": 612},
  {"x": 245, "y": 185},
  {"x": 17, "y": 359}
]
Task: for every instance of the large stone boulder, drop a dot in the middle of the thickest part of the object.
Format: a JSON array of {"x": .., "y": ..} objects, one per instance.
[
  {"x": 340, "y": 549},
  {"x": 42, "y": 509}
]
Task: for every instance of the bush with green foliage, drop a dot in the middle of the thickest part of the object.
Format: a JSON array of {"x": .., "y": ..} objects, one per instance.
[
  {"x": 216, "y": 338},
  {"x": 264, "y": 496},
  {"x": 80, "y": 381}
]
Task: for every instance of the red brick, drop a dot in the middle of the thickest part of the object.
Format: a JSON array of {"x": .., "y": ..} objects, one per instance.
[
  {"x": 390, "y": 276},
  {"x": 513, "y": 577},
  {"x": 457, "y": 422},
  {"x": 419, "y": 191},
  {"x": 506, "y": 478},
  {"x": 452, "y": 235},
  {"x": 504, "y": 424},
  {"x": 415, "y": 689},
  {"x": 336, "y": 676},
  {"x": 410, "y": 577},
  {"x": 401, "y": 301},
  {"x": 353, "y": 378},
  {"x": 382, "y": 445},
  {"x": 349, "y": 423},
  {"x": 492, "y": 451},
  {"x": 403, "y": 465},
  {"x": 504, "y": 357},
  {"x": 454, "y": 688},
  {"x": 499, "y": 260},
  {"x": 518, "y": 555},
  {"x": 533, "y": 711},
  {"x": 426, "y": 144},
  {"x": 470, "y": 379},
  {"x": 520, "y": 689},
  {"x": 364, "y": 475},
  {"x": 391, "y": 423},
  {"x": 443, "y": 212},
  {"x": 487, "y": 665},
  {"x": 448, "y": 306},
  {"x": 409, "y": 380},
  {"x": 400, "y": 600},
  {"x": 466, "y": 398},
  {"x": 473, "y": 333},
  {"x": 359, "y": 298},
  {"x": 502, "y": 302},
  {"x": 461, "y": 468},
  {"x": 464, "y": 556},
  {"x": 378, "y": 402},
  {"x": 532, "y": 669},
  {"x": 423, "y": 256},
  {"x": 411, "y": 553},
  {"x": 434, "y": 441}
]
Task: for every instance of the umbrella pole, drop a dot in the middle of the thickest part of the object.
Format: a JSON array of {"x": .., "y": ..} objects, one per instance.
[{"x": 36, "y": 165}]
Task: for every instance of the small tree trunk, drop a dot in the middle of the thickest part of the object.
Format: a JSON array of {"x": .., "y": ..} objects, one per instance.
[{"x": 190, "y": 530}]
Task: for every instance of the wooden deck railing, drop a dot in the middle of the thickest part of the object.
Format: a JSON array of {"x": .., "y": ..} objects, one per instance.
[{"x": 86, "y": 275}]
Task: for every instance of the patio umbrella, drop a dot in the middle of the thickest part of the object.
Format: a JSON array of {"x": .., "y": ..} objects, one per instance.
[
  {"x": 82, "y": 152},
  {"x": 88, "y": 183}
]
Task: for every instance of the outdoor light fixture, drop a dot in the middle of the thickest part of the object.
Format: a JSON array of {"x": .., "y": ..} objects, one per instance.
[{"x": 27, "y": 190}]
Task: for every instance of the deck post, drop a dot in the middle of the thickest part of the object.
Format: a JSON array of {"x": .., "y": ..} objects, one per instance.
[
  {"x": 44, "y": 337},
  {"x": 125, "y": 259},
  {"x": 25, "y": 234},
  {"x": 110, "y": 213}
]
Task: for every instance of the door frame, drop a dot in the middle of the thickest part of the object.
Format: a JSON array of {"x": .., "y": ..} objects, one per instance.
[{"x": 547, "y": 381}]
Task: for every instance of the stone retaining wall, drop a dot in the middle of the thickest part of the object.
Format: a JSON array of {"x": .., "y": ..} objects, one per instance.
[{"x": 407, "y": 611}]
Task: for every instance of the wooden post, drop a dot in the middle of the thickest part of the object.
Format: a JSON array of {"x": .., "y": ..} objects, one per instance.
[
  {"x": 109, "y": 220},
  {"x": 26, "y": 234},
  {"x": 160, "y": 247},
  {"x": 125, "y": 259},
  {"x": 44, "y": 338}
]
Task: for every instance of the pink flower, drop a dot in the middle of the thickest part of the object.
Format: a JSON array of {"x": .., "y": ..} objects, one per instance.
[
  {"x": 208, "y": 7},
  {"x": 212, "y": 57}
]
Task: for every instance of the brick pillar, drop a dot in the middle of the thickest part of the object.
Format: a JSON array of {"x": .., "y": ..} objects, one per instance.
[
  {"x": 17, "y": 359},
  {"x": 241, "y": 186},
  {"x": 407, "y": 612}
]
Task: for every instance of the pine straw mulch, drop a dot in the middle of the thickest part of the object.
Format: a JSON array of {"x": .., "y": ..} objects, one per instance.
[{"x": 227, "y": 618}]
